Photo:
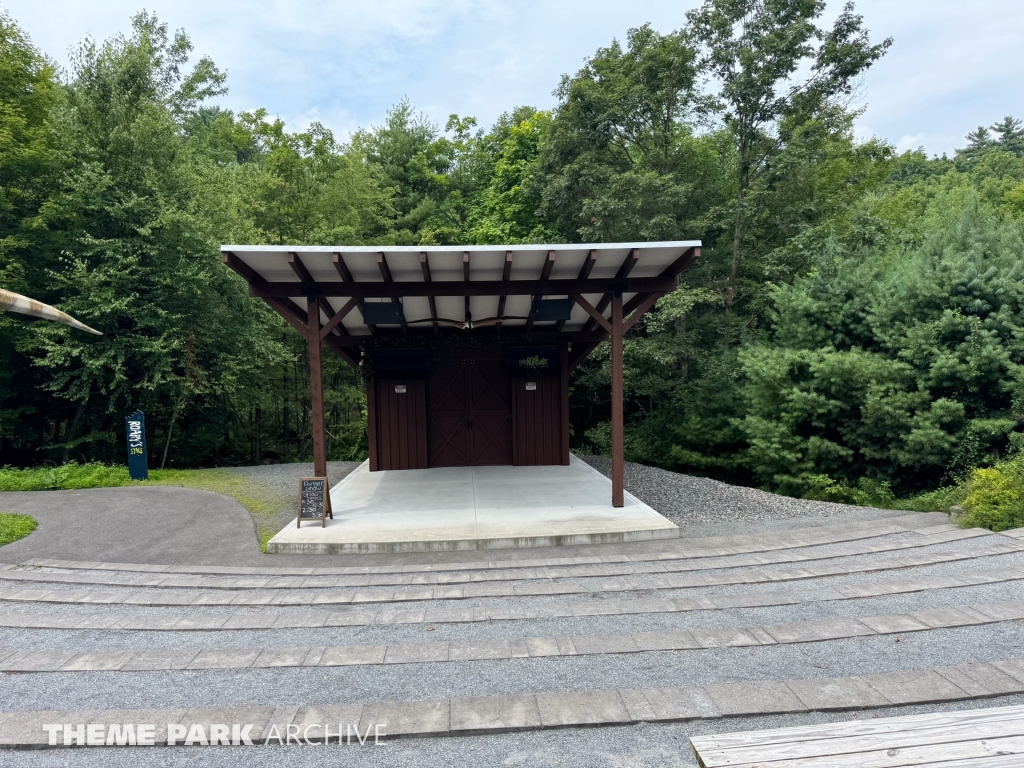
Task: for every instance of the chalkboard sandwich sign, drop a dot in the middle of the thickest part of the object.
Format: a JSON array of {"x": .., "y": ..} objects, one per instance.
[{"x": 314, "y": 501}]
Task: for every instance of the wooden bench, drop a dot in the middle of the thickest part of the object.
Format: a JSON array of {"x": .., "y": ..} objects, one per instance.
[{"x": 978, "y": 738}]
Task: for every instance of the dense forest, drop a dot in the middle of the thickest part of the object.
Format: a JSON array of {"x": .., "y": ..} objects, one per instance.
[{"x": 854, "y": 328}]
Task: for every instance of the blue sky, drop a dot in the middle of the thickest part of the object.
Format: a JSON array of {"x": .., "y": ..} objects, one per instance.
[{"x": 954, "y": 64}]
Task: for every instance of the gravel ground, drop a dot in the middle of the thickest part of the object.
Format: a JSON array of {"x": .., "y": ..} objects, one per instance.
[
  {"x": 282, "y": 480},
  {"x": 712, "y": 508},
  {"x": 647, "y": 745}
]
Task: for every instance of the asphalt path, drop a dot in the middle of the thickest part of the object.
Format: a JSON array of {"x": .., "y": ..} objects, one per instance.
[{"x": 158, "y": 524}]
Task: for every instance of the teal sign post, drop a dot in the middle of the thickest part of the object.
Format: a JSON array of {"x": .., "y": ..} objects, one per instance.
[{"x": 138, "y": 460}]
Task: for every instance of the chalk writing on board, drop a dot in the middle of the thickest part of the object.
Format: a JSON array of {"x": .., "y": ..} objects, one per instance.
[{"x": 311, "y": 498}]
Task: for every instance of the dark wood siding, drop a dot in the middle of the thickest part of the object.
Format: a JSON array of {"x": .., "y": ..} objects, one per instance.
[
  {"x": 401, "y": 421},
  {"x": 469, "y": 412},
  {"x": 537, "y": 430}
]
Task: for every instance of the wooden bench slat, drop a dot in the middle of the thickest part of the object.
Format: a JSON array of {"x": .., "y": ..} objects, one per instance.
[
  {"x": 855, "y": 728},
  {"x": 934, "y": 754},
  {"x": 939, "y": 735}
]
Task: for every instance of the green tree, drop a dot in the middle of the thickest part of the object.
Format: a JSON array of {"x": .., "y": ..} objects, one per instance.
[
  {"x": 506, "y": 206},
  {"x": 139, "y": 260},
  {"x": 29, "y": 168},
  {"x": 1011, "y": 135},
  {"x": 622, "y": 162},
  {"x": 305, "y": 187},
  {"x": 757, "y": 50},
  {"x": 902, "y": 366}
]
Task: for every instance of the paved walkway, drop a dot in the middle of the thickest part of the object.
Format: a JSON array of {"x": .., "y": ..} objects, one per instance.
[
  {"x": 452, "y": 508},
  {"x": 626, "y": 651},
  {"x": 159, "y": 524}
]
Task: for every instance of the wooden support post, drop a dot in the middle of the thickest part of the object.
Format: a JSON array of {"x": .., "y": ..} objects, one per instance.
[
  {"x": 618, "y": 453},
  {"x": 564, "y": 372},
  {"x": 371, "y": 424},
  {"x": 316, "y": 387}
]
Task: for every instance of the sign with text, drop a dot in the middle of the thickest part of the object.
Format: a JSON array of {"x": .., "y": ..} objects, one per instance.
[
  {"x": 532, "y": 361},
  {"x": 138, "y": 458},
  {"x": 314, "y": 500}
]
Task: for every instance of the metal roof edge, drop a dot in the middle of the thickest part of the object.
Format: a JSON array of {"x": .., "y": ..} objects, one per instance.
[{"x": 458, "y": 248}]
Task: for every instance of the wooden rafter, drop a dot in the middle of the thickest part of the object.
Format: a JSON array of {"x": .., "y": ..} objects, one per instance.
[
  {"x": 474, "y": 288},
  {"x": 385, "y": 272},
  {"x": 300, "y": 269},
  {"x": 585, "y": 270},
  {"x": 545, "y": 274},
  {"x": 425, "y": 269},
  {"x": 465, "y": 279},
  {"x": 505, "y": 275},
  {"x": 645, "y": 293},
  {"x": 624, "y": 269},
  {"x": 250, "y": 275},
  {"x": 343, "y": 272},
  {"x": 285, "y": 307}
]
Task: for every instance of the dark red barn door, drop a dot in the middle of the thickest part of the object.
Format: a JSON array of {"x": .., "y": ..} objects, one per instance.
[
  {"x": 469, "y": 409},
  {"x": 490, "y": 413}
]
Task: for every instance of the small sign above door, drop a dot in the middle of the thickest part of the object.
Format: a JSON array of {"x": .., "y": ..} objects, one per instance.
[
  {"x": 399, "y": 389},
  {"x": 531, "y": 386},
  {"x": 532, "y": 361}
]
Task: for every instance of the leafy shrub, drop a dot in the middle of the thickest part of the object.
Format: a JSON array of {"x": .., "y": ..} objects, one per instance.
[
  {"x": 63, "y": 478},
  {"x": 866, "y": 493},
  {"x": 994, "y": 497}
]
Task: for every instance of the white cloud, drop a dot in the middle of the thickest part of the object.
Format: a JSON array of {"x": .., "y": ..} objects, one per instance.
[
  {"x": 910, "y": 142},
  {"x": 344, "y": 62}
]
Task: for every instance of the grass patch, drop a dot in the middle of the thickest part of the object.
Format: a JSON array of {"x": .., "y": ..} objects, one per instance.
[
  {"x": 261, "y": 502},
  {"x": 14, "y": 527},
  {"x": 67, "y": 477}
]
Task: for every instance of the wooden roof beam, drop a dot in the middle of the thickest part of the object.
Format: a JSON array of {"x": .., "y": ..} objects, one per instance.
[
  {"x": 300, "y": 269},
  {"x": 505, "y": 275},
  {"x": 684, "y": 262},
  {"x": 545, "y": 275},
  {"x": 346, "y": 276},
  {"x": 425, "y": 269},
  {"x": 474, "y": 288},
  {"x": 385, "y": 272},
  {"x": 249, "y": 274},
  {"x": 465, "y": 279},
  {"x": 545, "y": 336},
  {"x": 624, "y": 269},
  {"x": 585, "y": 270}
]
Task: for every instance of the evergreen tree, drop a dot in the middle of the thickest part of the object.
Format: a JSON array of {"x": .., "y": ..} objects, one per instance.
[{"x": 1010, "y": 133}]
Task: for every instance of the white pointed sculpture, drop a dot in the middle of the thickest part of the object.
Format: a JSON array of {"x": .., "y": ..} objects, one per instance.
[{"x": 15, "y": 302}]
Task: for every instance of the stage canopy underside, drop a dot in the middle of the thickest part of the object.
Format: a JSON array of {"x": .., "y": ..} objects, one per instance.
[{"x": 462, "y": 287}]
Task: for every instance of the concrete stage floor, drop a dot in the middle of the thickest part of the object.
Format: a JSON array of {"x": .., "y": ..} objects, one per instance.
[{"x": 455, "y": 508}]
